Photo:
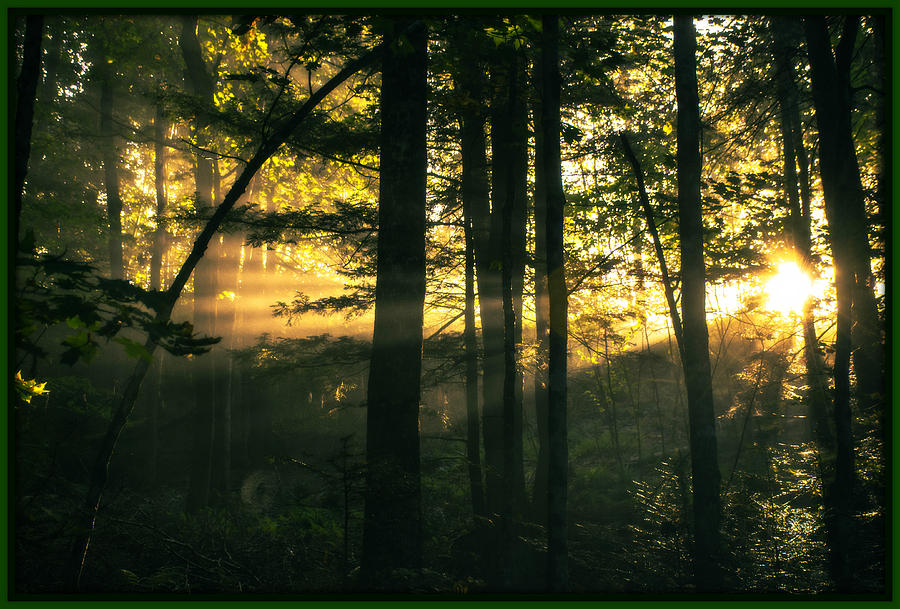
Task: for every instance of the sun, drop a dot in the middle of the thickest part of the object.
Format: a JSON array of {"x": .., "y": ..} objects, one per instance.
[{"x": 788, "y": 289}]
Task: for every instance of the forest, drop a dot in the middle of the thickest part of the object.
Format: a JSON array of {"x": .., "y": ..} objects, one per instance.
[{"x": 463, "y": 304}]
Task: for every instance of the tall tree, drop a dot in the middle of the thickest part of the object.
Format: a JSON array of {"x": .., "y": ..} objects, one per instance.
[
  {"x": 557, "y": 551},
  {"x": 202, "y": 85},
  {"x": 698, "y": 379},
  {"x": 541, "y": 312},
  {"x": 503, "y": 421},
  {"x": 647, "y": 210},
  {"x": 156, "y": 256},
  {"x": 797, "y": 194},
  {"x": 392, "y": 529},
  {"x": 848, "y": 235},
  {"x": 475, "y": 198},
  {"x": 26, "y": 89},
  {"x": 159, "y": 184}
]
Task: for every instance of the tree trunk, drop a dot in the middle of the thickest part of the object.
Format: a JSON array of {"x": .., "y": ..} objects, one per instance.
[
  {"x": 159, "y": 182},
  {"x": 111, "y": 174},
  {"x": 156, "y": 254},
  {"x": 701, "y": 414},
  {"x": 206, "y": 394},
  {"x": 557, "y": 545},
  {"x": 26, "y": 88},
  {"x": 542, "y": 315},
  {"x": 473, "y": 425},
  {"x": 487, "y": 264},
  {"x": 797, "y": 198},
  {"x": 229, "y": 268},
  {"x": 503, "y": 422},
  {"x": 845, "y": 204},
  {"x": 848, "y": 228},
  {"x": 797, "y": 194},
  {"x": 657, "y": 243},
  {"x": 392, "y": 529},
  {"x": 475, "y": 197}
]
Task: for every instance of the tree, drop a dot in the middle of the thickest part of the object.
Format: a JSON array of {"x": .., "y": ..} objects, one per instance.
[
  {"x": 506, "y": 174},
  {"x": 698, "y": 381},
  {"x": 475, "y": 195},
  {"x": 848, "y": 232},
  {"x": 26, "y": 89},
  {"x": 392, "y": 533},
  {"x": 557, "y": 552},
  {"x": 206, "y": 398},
  {"x": 798, "y": 198}
]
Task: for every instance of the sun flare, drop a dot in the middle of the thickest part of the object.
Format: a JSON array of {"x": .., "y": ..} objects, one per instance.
[{"x": 788, "y": 289}]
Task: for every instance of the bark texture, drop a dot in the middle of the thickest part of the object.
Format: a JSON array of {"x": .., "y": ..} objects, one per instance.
[
  {"x": 206, "y": 392},
  {"x": 557, "y": 546},
  {"x": 707, "y": 512},
  {"x": 848, "y": 235},
  {"x": 26, "y": 89},
  {"x": 392, "y": 529}
]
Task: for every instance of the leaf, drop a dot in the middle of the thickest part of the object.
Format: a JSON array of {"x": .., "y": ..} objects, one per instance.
[
  {"x": 28, "y": 388},
  {"x": 133, "y": 349}
]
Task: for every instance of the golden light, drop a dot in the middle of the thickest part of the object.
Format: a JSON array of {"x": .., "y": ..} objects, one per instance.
[{"x": 788, "y": 289}]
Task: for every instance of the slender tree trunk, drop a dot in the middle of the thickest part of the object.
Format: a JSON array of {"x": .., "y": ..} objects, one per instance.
[
  {"x": 473, "y": 425},
  {"x": 111, "y": 174},
  {"x": 698, "y": 381},
  {"x": 657, "y": 243},
  {"x": 156, "y": 254},
  {"x": 845, "y": 203},
  {"x": 518, "y": 201},
  {"x": 637, "y": 253},
  {"x": 557, "y": 544},
  {"x": 26, "y": 88},
  {"x": 848, "y": 228},
  {"x": 491, "y": 300},
  {"x": 206, "y": 392},
  {"x": 487, "y": 263},
  {"x": 475, "y": 196},
  {"x": 392, "y": 529},
  {"x": 542, "y": 315},
  {"x": 159, "y": 182},
  {"x": 229, "y": 268},
  {"x": 508, "y": 188},
  {"x": 798, "y": 197}
]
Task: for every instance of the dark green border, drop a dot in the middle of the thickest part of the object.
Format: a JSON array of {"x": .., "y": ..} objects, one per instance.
[{"x": 339, "y": 601}]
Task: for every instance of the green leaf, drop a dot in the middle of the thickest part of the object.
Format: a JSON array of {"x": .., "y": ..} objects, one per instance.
[{"x": 133, "y": 349}]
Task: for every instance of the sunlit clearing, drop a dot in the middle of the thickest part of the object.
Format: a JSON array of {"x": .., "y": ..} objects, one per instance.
[{"x": 788, "y": 290}]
